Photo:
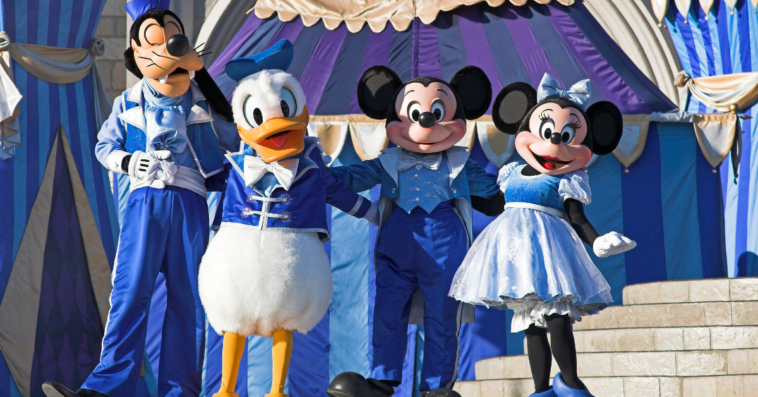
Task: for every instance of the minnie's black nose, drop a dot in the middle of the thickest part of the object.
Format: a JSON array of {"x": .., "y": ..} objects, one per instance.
[
  {"x": 426, "y": 120},
  {"x": 177, "y": 45}
]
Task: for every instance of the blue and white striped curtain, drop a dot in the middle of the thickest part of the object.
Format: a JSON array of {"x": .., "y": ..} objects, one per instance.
[{"x": 727, "y": 43}]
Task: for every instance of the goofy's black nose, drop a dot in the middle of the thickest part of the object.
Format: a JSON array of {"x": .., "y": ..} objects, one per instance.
[
  {"x": 177, "y": 45},
  {"x": 426, "y": 120},
  {"x": 555, "y": 138}
]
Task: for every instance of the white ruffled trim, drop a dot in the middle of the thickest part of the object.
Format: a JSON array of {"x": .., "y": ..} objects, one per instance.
[
  {"x": 505, "y": 174},
  {"x": 575, "y": 185},
  {"x": 526, "y": 313}
]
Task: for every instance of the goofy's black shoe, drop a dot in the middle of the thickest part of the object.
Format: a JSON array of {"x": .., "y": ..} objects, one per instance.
[
  {"x": 55, "y": 389},
  {"x": 440, "y": 393},
  {"x": 351, "y": 384}
]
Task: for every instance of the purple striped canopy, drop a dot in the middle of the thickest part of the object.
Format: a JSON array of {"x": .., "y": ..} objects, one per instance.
[{"x": 509, "y": 43}]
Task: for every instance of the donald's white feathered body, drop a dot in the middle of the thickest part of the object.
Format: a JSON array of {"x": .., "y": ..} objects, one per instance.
[{"x": 260, "y": 279}]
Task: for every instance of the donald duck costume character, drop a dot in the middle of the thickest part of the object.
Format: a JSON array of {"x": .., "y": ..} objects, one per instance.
[
  {"x": 266, "y": 272},
  {"x": 165, "y": 133}
]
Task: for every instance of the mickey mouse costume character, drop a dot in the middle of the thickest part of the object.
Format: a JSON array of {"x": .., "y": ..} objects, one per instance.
[
  {"x": 427, "y": 185},
  {"x": 165, "y": 133},
  {"x": 531, "y": 258},
  {"x": 266, "y": 272}
]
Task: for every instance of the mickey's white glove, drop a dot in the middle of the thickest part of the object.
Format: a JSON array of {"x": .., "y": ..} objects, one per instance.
[
  {"x": 142, "y": 165},
  {"x": 372, "y": 215},
  {"x": 612, "y": 243}
]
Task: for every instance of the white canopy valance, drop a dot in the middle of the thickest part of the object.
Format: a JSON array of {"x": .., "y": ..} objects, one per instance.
[{"x": 374, "y": 12}]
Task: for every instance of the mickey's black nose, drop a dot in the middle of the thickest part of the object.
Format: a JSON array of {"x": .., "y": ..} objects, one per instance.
[
  {"x": 426, "y": 120},
  {"x": 177, "y": 45},
  {"x": 555, "y": 138}
]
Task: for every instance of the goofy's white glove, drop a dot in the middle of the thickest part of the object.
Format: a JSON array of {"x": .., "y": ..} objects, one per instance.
[
  {"x": 141, "y": 165},
  {"x": 612, "y": 243},
  {"x": 372, "y": 215}
]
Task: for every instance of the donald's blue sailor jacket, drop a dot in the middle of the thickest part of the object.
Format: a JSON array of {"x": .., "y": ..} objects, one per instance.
[{"x": 302, "y": 208}]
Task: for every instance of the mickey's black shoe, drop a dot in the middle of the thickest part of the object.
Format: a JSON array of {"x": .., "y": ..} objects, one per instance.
[
  {"x": 351, "y": 384},
  {"x": 440, "y": 393},
  {"x": 55, "y": 389}
]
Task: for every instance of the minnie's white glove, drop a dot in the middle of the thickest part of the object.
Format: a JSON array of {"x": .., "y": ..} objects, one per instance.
[
  {"x": 612, "y": 243},
  {"x": 141, "y": 165},
  {"x": 372, "y": 215}
]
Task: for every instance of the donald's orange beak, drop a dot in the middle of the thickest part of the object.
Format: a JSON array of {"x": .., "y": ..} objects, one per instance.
[{"x": 277, "y": 138}]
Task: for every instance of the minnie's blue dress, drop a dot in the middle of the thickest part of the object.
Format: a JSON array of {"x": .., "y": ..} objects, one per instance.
[{"x": 529, "y": 258}]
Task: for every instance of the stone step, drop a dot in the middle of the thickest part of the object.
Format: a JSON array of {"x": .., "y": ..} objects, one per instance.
[
  {"x": 676, "y": 315},
  {"x": 688, "y": 291},
  {"x": 706, "y": 386},
  {"x": 665, "y": 339},
  {"x": 634, "y": 364}
]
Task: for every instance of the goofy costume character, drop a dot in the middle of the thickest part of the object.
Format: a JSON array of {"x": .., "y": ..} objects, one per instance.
[
  {"x": 166, "y": 133},
  {"x": 266, "y": 272}
]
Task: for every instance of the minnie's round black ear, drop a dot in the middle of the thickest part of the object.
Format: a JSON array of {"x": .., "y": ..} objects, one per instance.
[
  {"x": 376, "y": 91},
  {"x": 607, "y": 127},
  {"x": 511, "y": 105},
  {"x": 474, "y": 90}
]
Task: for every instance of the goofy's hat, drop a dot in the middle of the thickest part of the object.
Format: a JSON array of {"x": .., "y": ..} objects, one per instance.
[
  {"x": 278, "y": 56},
  {"x": 136, "y": 8}
]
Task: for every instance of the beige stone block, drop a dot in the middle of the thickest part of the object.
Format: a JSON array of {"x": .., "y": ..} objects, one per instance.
[
  {"x": 492, "y": 388},
  {"x": 114, "y": 48},
  {"x": 606, "y": 319},
  {"x": 481, "y": 369},
  {"x": 699, "y": 387},
  {"x": 644, "y": 364},
  {"x": 750, "y": 384},
  {"x": 641, "y": 387},
  {"x": 106, "y": 28},
  {"x": 598, "y": 341},
  {"x": 719, "y": 313},
  {"x": 606, "y": 387},
  {"x": 701, "y": 363},
  {"x": 696, "y": 338},
  {"x": 516, "y": 367},
  {"x": 734, "y": 337},
  {"x": 674, "y": 291},
  {"x": 669, "y": 339},
  {"x": 121, "y": 29},
  {"x": 743, "y": 289},
  {"x": 114, "y": 8},
  {"x": 646, "y": 316},
  {"x": 630, "y": 295},
  {"x": 596, "y": 364},
  {"x": 684, "y": 315},
  {"x": 729, "y": 386},
  {"x": 118, "y": 79},
  {"x": 649, "y": 293},
  {"x": 516, "y": 388},
  {"x": 468, "y": 389},
  {"x": 709, "y": 290},
  {"x": 745, "y": 313},
  {"x": 671, "y": 387},
  {"x": 634, "y": 340},
  {"x": 742, "y": 361}
]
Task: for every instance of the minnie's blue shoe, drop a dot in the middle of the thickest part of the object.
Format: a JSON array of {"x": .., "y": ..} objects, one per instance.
[
  {"x": 549, "y": 393},
  {"x": 562, "y": 390}
]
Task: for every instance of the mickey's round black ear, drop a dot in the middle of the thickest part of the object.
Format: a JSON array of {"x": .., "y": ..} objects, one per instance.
[
  {"x": 474, "y": 89},
  {"x": 376, "y": 91},
  {"x": 512, "y": 104},
  {"x": 607, "y": 127}
]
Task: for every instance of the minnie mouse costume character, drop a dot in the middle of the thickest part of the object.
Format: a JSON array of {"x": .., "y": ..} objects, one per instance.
[
  {"x": 531, "y": 258},
  {"x": 427, "y": 185},
  {"x": 166, "y": 133}
]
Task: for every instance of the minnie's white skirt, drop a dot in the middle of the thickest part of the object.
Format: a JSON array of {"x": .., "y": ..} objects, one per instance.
[
  {"x": 535, "y": 264},
  {"x": 259, "y": 281}
]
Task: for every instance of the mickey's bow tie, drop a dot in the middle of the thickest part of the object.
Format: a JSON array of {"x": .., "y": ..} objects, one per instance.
[{"x": 410, "y": 159}]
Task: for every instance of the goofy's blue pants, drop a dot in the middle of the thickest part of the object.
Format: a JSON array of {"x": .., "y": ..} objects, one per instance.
[
  {"x": 418, "y": 251},
  {"x": 164, "y": 230}
]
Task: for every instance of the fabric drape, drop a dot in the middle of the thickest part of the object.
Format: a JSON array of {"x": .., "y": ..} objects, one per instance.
[
  {"x": 374, "y": 12},
  {"x": 715, "y": 134},
  {"x": 721, "y": 92}
]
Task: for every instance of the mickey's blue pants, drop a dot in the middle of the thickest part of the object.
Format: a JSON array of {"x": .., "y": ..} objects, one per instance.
[
  {"x": 418, "y": 251},
  {"x": 163, "y": 230}
]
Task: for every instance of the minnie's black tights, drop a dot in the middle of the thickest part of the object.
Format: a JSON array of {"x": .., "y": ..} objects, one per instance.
[{"x": 564, "y": 351}]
